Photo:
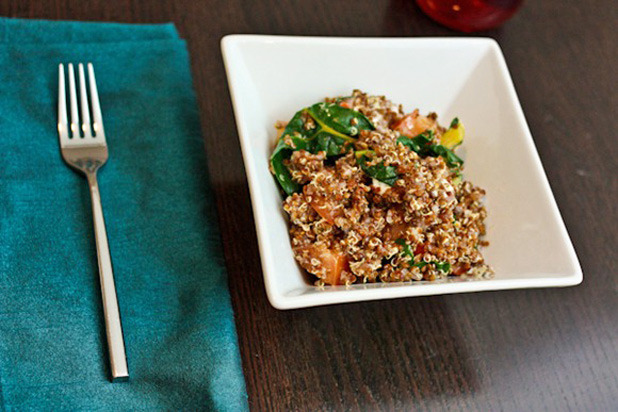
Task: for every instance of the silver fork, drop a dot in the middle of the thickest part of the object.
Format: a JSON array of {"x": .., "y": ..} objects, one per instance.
[{"x": 87, "y": 154}]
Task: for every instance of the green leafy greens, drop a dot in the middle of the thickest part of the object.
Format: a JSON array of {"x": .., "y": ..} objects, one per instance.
[
  {"x": 298, "y": 136},
  {"x": 422, "y": 144},
  {"x": 385, "y": 174},
  {"x": 443, "y": 267},
  {"x": 334, "y": 131},
  {"x": 332, "y": 117}
]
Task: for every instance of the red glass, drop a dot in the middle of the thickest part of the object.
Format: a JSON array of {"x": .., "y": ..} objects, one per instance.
[{"x": 470, "y": 15}]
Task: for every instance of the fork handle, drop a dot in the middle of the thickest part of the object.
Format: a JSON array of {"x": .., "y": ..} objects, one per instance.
[{"x": 111, "y": 313}]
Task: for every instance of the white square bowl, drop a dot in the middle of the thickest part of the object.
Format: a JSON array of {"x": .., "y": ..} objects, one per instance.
[{"x": 271, "y": 77}]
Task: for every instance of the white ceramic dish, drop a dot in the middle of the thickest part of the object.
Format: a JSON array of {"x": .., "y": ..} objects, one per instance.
[{"x": 271, "y": 77}]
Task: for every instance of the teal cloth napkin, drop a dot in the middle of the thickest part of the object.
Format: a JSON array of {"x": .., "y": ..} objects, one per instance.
[{"x": 170, "y": 276}]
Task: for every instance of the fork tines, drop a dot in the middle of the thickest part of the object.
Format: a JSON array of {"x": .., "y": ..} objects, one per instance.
[{"x": 82, "y": 132}]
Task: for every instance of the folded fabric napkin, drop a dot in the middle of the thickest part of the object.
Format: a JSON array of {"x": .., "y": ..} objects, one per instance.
[{"x": 170, "y": 276}]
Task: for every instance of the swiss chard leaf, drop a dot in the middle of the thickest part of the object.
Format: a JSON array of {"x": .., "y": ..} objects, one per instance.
[
  {"x": 282, "y": 174},
  {"x": 385, "y": 174},
  {"x": 298, "y": 135},
  {"x": 339, "y": 119},
  {"x": 451, "y": 159},
  {"x": 333, "y": 133},
  {"x": 443, "y": 267},
  {"x": 329, "y": 143},
  {"x": 296, "y": 126},
  {"x": 422, "y": 144},
  {"x": 407, "y": 250},
  {"x": 283, "y": 152}
]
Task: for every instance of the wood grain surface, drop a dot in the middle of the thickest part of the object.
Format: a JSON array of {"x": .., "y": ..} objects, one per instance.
[{"x": 546, "y": 349}]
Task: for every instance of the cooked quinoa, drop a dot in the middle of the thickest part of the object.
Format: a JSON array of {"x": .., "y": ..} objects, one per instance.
[{"x": 368, "y": 207}]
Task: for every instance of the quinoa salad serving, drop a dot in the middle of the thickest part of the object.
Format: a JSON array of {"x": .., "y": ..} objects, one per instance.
[{"x": 377, "y": 195}]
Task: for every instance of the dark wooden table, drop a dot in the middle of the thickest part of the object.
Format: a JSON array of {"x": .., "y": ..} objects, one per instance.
[{"x": 548, "y": 349}]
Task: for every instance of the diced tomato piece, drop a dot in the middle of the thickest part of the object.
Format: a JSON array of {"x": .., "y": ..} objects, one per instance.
[
  {"x": 460, "y": 268},
  {"x": 420, "y": 249},
  {"x": 346, "y": 103},
  {"x": 413, "y": 124},
  {"x": 325, "y": 208},
  {"x": 333, "y": 262}
]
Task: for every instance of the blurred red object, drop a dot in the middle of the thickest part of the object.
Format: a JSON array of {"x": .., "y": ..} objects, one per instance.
[{"x": 470, "y": 15}]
